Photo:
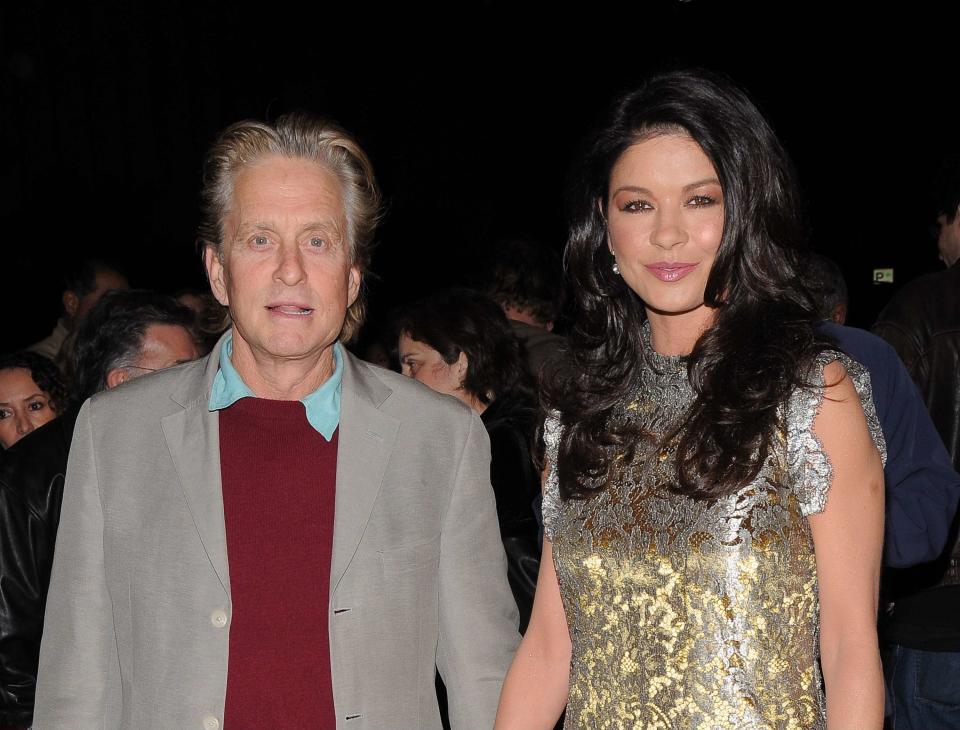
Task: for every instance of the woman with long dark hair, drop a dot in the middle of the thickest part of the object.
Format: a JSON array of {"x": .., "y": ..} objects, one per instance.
[{"x": 713, "y": 498}]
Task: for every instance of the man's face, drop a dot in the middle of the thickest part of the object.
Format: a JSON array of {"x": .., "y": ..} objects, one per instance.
[
  {"x": 284, "y": 269},
  {"x": 948, "y": 241},
  {"x": 106, "y": 280},
  {"x": 164, "y": 345}
]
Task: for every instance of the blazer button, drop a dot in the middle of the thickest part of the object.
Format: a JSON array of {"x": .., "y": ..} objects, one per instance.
[
  {"x": 219, "y": 619},
  {"x": 211, "y": 723}
]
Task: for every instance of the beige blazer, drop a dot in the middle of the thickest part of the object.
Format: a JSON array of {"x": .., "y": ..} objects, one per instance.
[{"x": 138, "y": 615}]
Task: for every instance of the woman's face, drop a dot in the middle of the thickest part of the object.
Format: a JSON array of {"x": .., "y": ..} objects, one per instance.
[
  {"x": 23, "y": 406},
  {"x": 421, "y": 362},
  {"x": 665, "y": 222}
]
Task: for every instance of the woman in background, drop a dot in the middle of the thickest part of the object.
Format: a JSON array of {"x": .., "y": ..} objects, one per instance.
[
  {"x": 32, "y": 393},
  {"x": 713, "y": 498},
  {"x": 460, "y": 343}
]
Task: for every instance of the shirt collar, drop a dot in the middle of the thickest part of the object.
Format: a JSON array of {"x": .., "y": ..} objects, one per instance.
[{"x": 322, "y": 405}]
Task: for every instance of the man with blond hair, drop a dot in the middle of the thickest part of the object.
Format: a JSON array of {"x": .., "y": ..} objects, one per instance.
[{"x": 278, "y": 535}]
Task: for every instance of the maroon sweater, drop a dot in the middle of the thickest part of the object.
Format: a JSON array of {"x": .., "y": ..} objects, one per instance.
[{"x": 278, "y": 500}]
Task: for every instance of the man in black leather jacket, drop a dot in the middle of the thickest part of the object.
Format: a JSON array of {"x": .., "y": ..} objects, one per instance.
[
  {"x": 128, "y": 334},
  {"x": 922, "y": 322}
]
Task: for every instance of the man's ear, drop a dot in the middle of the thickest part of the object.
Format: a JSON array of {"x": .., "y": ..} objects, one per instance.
[
  {"x": 117, "y": 376},
  {"x": 71, "y": 303},
  {"x": 353, "y": 286},
  {"x": 216, "y": 274},
  {"x": 463, "y": 366}
]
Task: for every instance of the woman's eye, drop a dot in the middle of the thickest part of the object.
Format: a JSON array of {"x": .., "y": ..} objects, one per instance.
[
  {"x": 260, "y": 241},
  {"x": 317, "y": 242},
  {"x": 636, "y": 206},
  {"x": 4, "y": 413},
  {"x": 701, "y": 201},
  {"x": 37, "y": 405}
]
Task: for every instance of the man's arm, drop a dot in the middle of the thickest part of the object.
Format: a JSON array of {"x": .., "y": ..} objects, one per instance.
[
  {"x": 478, "y": 615},
  {"x": 78, "y": 685}
]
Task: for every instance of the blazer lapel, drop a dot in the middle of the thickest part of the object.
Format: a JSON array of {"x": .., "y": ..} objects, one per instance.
[
  {"x": 366, "y": 440},
  {"x": 193, "y": 437}
]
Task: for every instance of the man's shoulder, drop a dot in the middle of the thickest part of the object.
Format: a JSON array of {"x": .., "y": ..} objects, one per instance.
[
  {"x": 870, "y": 350},
  {"x": 924, "y": 295},
  {"x": 411, "y": 401}
]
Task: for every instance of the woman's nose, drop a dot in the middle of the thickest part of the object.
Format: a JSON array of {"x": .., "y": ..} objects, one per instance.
[{"x": 668, "y": 230}]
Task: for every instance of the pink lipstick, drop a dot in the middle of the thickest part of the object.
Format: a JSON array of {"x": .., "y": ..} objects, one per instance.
[{"x": 670, "y": 271}]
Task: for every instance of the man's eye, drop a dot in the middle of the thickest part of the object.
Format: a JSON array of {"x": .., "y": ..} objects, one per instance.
[
  {"x": 260, "y": 241},
  {"x": 4, "y": 413},
  {"x": 317, "y": 242}
]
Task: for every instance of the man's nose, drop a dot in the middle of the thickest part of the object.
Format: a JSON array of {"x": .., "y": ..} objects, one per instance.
[{"x": 290, "y": 266}]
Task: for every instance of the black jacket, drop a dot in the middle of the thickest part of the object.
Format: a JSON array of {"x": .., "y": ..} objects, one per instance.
[
  {"x": 922, "y": 322},
  {"x": 511, "y": 422},
  {"x": 31, "y": 489}
]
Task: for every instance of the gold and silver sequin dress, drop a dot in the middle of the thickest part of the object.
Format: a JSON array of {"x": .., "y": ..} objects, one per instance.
[{"x": 693, "y": 614}]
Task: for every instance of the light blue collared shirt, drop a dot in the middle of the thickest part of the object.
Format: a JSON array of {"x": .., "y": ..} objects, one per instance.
[{"x": 322, "y": 405}]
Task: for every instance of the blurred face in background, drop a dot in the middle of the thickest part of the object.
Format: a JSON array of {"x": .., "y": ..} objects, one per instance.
[
  {"x": 948, "y": 239},
  {"x": 421, "y": 362},
  {"x": 23, "y": 406},
  {"x": 106, "y": 280},
  {"x": 164, "y": 345}
]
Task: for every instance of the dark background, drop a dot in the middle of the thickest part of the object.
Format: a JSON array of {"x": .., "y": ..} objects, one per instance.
[{"x": 470, "y": 113}]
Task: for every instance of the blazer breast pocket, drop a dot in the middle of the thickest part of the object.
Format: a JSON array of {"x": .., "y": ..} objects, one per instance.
[{"x": 410, "y": 558}]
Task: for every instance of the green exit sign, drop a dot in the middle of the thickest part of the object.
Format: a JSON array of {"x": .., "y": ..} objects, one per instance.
[{"x": 883, "y": 276}]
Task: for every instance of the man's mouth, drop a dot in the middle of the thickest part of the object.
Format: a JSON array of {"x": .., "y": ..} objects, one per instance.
[{"x": 290, "y": 309}]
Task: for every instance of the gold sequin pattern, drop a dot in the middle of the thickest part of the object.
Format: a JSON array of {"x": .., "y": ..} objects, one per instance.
[{"x": 686, "y": 613}]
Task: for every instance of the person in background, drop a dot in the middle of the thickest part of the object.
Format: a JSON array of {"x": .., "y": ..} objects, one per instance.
[
  {"x": 84, "y": 284},
  {"x": 922, "y": 323},
  {"x": 525, "y": 279},
  {"x": 126, "y": 335},
  {"x": 211, "y": 319},
  {"x": 922, "y": 320},
  {"x": 458, "y": 342},
  {"x": 32, "y": 393},
  {"x": 922, "y": 487}
]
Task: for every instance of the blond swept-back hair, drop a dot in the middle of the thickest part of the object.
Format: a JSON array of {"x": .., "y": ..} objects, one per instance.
[{"x": 305, "y": 136}]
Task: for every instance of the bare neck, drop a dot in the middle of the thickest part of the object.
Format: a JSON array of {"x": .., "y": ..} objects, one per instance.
[
  {"x": 276, "y": 378},
  {"x": 676, "y": 334}
]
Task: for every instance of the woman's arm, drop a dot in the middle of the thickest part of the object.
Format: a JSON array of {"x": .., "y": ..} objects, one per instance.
[
  {"x": 535, "y": 690},
  {"x": 848, "y": 538}
]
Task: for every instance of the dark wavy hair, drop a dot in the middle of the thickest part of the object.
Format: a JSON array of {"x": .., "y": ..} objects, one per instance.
[
  {"x": 461, "y": 320},
  {"x": 44, "y": 373},
  {"x": 762, "y": 340}
]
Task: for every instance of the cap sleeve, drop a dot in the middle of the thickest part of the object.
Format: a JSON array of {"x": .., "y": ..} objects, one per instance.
[
  {"x": 552, "y": 432},
  {"x": 809, "y": 468}
]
